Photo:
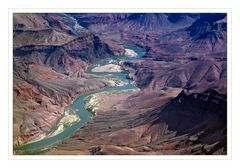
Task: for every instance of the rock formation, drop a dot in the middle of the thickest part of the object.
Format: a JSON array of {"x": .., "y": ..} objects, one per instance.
[
  {"x": 179, "y": 106},
  {"x": 49, "y": 64}
]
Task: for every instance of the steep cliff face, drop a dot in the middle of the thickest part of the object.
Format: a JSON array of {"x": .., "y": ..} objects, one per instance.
[
  {"x": 46, "y": 37},
  {"x": 48, "y": 33},
  {"x": 209, "y": 33},
  {"x": 43, "y": 89},
  {"x": 158, "y": 22},
  {"x": 183, "y": 52},
  {"x": 194, "y": 111},
  {"x": 137, "y": 21},
  {"x": 89, "y": 19},
  {"x": 187, "y": 35},
  {"x": 205, "y": 38},
  {"x": 166, "y": 122},
  {"x": 208, "y": 23},
  {"x": 88, "y": 48},
  {"x": 192, "y": 75},
  {"x": 51, "y": 53},
  {"x": 202, "y": 117},
  {"x": 195, "y": 121},
  {"x": 29, "y": 21},
  {"x": 137, "y": 28}
]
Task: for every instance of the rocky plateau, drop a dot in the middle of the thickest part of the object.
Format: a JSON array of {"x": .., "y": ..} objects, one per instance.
[{"x": 178, "y": 105}]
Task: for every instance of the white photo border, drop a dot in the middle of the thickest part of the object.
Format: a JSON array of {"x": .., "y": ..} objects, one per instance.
[{"x": 11, "y": 156}]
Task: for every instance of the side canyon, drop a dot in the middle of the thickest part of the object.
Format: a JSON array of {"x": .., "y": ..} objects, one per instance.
[{"x": 120, "y": 83}]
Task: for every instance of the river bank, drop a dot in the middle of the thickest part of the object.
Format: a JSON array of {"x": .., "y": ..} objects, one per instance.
[
  {"x": 108, "y": 68},
  {"x": 118, "y": 81},
  {"x": 97, "y": 100},
  {"x": 69, "y": 118},
  {"x": 130, "y": 53}
]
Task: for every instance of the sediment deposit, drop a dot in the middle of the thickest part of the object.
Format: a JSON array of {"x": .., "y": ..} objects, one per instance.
[{"x": 177, "y": 103}]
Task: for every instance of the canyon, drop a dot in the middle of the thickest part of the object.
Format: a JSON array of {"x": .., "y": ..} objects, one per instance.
[{"x": 120, "y": 83}]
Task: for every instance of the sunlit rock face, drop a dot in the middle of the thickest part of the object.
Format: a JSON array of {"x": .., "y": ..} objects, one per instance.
[
  {"x": 179, "y": 105},
  {"x": 51, "y": 53}
]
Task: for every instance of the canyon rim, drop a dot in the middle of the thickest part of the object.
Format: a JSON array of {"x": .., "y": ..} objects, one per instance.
[{"x": 120, "y": 83}]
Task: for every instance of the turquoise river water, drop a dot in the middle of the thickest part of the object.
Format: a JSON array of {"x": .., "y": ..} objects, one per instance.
[{"x": 78, "y": 106}]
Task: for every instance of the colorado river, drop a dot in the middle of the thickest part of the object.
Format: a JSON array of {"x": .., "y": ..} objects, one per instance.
[{"x": 79, "y": 107}]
